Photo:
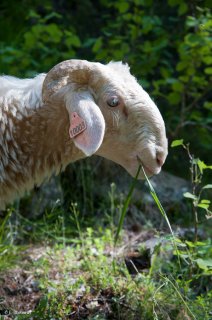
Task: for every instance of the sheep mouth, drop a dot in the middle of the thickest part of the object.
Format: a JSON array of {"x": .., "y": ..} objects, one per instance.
[
  {"x": 149, "y": 172},
  {"x": 133, "y": 165}
]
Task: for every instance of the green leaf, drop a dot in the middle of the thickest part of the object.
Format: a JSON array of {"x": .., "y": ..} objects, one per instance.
[
  {"x": 189, "y": 195},
  {"x": 184, "y": 79},
  {"x": 173, "y": 3},
  {"x": 202, "y": 166},
  {"x": 203, "y": 205},
  {"x": 178, "y": 86},
  {"x": 165, "y": 72},
  {"x": 33, "y": 14},
  {"x": 76, "y": 41},
  {"x": 54, "y": 32},
  {"x": 72, "y": 39},
  {"x": 208, "y": 70},
  {"x": 177, "y": 143},
  {"x": 205, "y": 264},
  {"x": 174, "y": 97},
  {"x": 207, "y": 105},
  {"x": 52, "y": 15},
  {"x": 205, "y": 201},
  {"x": 182, "y": 65},
  {"x": 122, "y": 6},
  {"x": 207, "y": 186},
  {"x": 183, "y": 8},
  {"x": 97, "y": 45},
  {"x": 192, "y": 21},
  {"x": 190, "y": 244},
  {"x": 207, "y": 60},
  {"x": 192, "y": 39}
]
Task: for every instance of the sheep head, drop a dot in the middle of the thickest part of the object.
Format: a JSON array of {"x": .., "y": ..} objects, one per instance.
[{"x": 110, "y": 113}]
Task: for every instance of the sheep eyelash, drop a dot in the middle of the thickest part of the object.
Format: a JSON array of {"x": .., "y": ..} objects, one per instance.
[{"x": 116, "y": 117}]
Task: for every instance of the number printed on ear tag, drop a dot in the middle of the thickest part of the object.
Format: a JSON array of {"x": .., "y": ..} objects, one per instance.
[{"x": 78, "y": 125}]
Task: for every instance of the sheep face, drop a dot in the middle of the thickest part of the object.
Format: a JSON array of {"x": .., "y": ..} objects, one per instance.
[
  {"x": 134, "y": 126},
  {"x": 111, "y": 114}
]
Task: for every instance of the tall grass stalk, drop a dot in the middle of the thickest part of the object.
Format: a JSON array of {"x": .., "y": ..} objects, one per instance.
[
  {"x": 157, "y": 201},
  {"x": 125, "y": 206},
  {"x": 162, "y": 211},
  {"x": 75, "y": 212},
  {"x": 128, "y": 198},
  {"x": 2, "y": 227}
]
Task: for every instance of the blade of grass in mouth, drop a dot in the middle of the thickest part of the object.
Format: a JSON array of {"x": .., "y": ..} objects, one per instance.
[
  {"x": 155, "y": 198},
  {"x": 161, "y": 209},
  {"x": 126, "y": 204}
]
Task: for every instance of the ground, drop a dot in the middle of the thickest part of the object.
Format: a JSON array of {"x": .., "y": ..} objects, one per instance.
[{"x": 90, "y": 279}]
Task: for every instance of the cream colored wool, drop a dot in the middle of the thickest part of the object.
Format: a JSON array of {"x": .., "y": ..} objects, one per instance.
[{"x": 35, "y": 116}]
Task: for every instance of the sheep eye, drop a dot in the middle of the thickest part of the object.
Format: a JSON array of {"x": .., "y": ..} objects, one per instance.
[{"x": 113, "y": 102}]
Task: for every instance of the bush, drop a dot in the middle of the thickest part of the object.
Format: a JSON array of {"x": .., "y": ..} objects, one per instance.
[{"x": 167, "y": 44}]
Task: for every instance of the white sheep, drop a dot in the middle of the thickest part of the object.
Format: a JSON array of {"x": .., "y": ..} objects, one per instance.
[{"x": 77, "y": 109}]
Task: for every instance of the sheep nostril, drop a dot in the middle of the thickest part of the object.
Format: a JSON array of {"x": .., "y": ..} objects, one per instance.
[{"x": 160, "y": 160}]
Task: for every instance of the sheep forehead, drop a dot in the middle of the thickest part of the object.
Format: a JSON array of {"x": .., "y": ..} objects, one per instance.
[
  {"x": 118, "y": 74},
  {"x": 116, "y": 80}
]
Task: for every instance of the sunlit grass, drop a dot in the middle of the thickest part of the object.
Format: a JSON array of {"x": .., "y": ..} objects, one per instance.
[{"x": 78, "y": 266}]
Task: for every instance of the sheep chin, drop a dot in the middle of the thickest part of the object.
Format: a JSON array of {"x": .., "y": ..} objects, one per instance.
[{"x": 132, "y": 168}]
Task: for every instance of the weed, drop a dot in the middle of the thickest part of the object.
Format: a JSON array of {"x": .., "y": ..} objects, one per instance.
[
  {"x": 197, "y": 168},
  {"x": 125, "y": 206}
]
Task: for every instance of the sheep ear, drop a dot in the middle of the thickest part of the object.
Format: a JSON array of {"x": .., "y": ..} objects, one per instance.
[{"x": 87, "y": 124}]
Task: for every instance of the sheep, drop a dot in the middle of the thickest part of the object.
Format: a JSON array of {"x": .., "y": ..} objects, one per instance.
[{"x": 79, "y": 108}]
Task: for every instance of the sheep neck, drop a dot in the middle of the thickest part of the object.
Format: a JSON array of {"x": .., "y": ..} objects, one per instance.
[{"x": 37, "y": 146}]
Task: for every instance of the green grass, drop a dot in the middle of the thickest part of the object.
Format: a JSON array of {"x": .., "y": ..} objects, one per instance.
[
  {"x": 82, "y": 272},
  {"x": 86, "y": 277}
]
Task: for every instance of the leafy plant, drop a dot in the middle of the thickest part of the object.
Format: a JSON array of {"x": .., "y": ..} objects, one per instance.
[
  {"x": 43, "y": 44},
  {"x": 197, "y": 168}
]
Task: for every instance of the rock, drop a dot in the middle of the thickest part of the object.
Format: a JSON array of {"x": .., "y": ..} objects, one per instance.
[
  {"x": 88, "y": 182},
  {"x": 48, "y": 196}
]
